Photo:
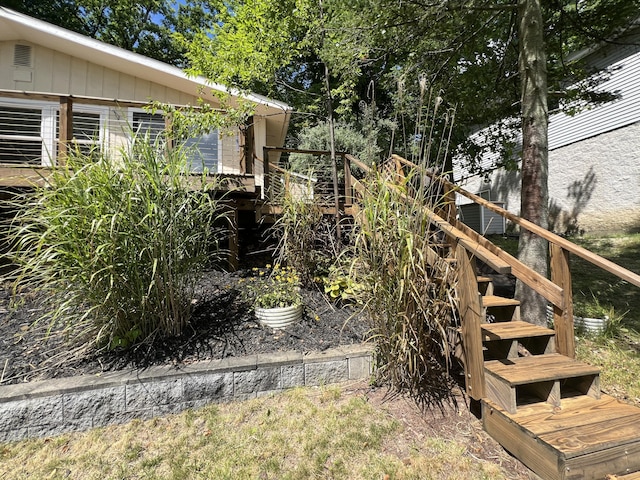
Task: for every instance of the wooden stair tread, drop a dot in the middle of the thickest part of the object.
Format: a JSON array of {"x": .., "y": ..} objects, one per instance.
[
  {"x": 483, "y": 279},
  {"x": 538, "y": 368},
  {"x": 543, "y": 418},
  {"x": 631, "y": 476},
  {"x": 582, "y": 426},
  {"x": 495, "y": 301},
  {"x": 512, "y": 330}
]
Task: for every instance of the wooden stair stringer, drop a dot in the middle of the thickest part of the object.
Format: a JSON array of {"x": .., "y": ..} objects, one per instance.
[{"x": 584, "y": 439}]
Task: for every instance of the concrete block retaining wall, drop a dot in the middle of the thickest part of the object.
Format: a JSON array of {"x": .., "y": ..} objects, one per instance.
[{"x": 53, "y": 407}]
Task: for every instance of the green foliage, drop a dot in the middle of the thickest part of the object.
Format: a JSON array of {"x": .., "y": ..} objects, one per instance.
[
  {"x": 364, "y": 139},
  {"x": 340, "y": 287},
  {"x": 272, "y": 287},
  {"x": 142, "y": 26},
  {"x": 304, "y": 240},
  {"x": 117, "y": 244}
]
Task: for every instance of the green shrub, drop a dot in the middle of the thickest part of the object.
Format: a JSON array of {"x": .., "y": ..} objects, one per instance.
[
  {"x": 305, "y": 241},
  {"x": 117, "y": 244}
]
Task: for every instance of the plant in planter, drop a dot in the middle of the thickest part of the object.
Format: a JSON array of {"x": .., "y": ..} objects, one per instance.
[{"x": 275, "y": 295}]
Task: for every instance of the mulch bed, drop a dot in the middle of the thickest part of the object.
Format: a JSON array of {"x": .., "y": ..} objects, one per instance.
[{"x": 222, "y": 326}]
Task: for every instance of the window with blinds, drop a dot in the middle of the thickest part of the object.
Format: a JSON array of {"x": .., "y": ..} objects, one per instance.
[
  {"x": 20, "y": 135},
  {"x": 86, "y": 131},
  {"x": 202, "y": 151},
  {"x": 150, "y": 125}
]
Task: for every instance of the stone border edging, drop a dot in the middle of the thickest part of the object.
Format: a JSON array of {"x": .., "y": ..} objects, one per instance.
[{"x": 52, "y": 407}]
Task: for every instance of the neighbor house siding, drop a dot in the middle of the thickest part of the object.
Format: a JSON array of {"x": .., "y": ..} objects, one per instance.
[{"x": 594, "y": 156}]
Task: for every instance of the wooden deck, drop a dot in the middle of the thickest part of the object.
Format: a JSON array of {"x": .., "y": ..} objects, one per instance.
[{"x": 586, "y": 438}]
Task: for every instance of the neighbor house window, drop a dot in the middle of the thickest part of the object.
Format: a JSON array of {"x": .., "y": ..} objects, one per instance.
[{"x": 203, "y": 151}]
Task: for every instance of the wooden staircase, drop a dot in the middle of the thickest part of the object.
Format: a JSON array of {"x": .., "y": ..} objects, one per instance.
[
  {"x": 547, "y": 408},
  {"x": 541, "y": 404}
]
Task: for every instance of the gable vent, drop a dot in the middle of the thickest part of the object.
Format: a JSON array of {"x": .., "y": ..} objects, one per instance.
[{"x": 22, "y": 55}]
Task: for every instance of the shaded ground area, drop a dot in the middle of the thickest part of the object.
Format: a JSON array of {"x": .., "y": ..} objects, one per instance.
[{"x": 222, "y": 326}]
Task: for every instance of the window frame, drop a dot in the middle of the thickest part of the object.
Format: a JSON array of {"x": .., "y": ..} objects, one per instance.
[
  {"x": 49, "y": 127},
  {"x": 130, "y": 114}
]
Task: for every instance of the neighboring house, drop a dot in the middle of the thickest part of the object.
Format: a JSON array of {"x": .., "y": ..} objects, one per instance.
[
  {"x": 54, "y": 81},
  {"x": 594, "y": 156}
]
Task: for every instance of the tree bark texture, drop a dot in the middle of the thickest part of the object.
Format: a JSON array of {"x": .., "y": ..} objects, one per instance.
[{"x": 533, "y": 250}]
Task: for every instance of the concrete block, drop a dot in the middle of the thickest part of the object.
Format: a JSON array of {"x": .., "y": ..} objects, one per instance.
[
  {"x": 213, "y": 386},
  {"x": 14, "y": 435},
  {"x": 326, "y": 372},
  {"x": 142, "y": 395},
  {"x": 359, "y": 367},
  {"x": 14, "y": 415},
  {"x": 94, "y": 403},
  {"x": 292, "y": 376},
  {"x": 254, "y": 381}
]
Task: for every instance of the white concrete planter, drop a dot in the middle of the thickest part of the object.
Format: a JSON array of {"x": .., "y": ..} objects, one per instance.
[
  {"x": 592, "y": 325},
  {"x": 586, "y": 324},
  {"x": 279, "y": 317}
]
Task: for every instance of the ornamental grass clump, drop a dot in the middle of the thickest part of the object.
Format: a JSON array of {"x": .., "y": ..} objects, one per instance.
[
  {"x": 272, "y": 287},
  {"x": 117, "y": 244},
  {"x": 407, "y": 290}
]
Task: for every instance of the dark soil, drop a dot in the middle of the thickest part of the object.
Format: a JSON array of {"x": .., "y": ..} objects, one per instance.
[{"x": 222, "y": 326}]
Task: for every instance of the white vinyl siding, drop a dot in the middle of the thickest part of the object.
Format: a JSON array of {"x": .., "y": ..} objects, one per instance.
[{"x": 624, "y": 65}]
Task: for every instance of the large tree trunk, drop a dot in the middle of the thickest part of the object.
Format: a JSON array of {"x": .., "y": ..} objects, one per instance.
[{"x": 533, "y": 250}]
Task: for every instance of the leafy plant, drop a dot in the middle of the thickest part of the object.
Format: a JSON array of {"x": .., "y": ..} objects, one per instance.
[
  {"x": 272, "y": 287},
  {"x": 339, "y": 286},
  {"x": 117, "y": 244},
  {"x": 304, "y": 239}
]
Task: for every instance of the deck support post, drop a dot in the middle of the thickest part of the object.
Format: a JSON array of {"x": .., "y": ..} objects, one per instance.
[
  {"x": 234, "y": 250},
  {"x": 563, "y": 315},
  {"x": 66, "y": 128}
]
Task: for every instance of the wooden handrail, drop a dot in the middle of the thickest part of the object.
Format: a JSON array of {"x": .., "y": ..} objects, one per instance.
[{"x": 581, "y": 252}]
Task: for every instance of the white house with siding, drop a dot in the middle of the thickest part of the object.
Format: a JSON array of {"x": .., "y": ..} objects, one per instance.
[
  {"x": 49, "y": 74},
  {"x": 594, "y": 156}
]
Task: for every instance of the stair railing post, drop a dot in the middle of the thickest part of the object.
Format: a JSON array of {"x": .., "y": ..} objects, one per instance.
[
  {"x": 470, "y": 318},
  {"x": 348, "y": 190},
  {"x": 563, "y": 314}
]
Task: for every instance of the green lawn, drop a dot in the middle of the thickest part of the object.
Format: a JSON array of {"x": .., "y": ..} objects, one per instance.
[{"x": 328, "y": 433}]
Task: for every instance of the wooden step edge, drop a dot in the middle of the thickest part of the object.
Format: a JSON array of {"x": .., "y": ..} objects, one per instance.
[
  {"x": 496, "y": 301},
  {"x": 513, "y": 330},
  {"x": 629, "y": 476},
  {"x": 483, "y": 279},
  {"x": 538, "y": 368},
  {"x": 554, "y": 456}
]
